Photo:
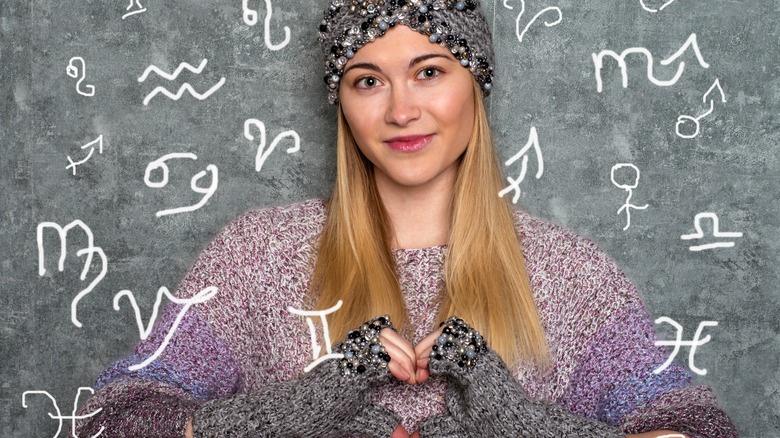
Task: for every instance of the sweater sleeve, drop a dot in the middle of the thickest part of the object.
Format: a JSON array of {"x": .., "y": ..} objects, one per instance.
[
  {"x": 197, "y": 364},
  {"x": 615, "y": 379}
]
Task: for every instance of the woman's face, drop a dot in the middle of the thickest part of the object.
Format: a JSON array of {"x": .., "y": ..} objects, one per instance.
[{"x": 410, "y": 106}]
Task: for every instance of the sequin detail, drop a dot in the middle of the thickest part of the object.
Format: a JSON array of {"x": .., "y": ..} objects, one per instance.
[{"x": 459, "y": 26}]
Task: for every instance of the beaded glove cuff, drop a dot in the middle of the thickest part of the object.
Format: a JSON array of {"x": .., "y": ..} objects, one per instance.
[
  {"x": 459, "y": 343},
  {"x": 362, "y": 350}
]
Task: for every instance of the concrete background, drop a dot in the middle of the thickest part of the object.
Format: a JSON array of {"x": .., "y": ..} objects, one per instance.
[{"x": 547, "y": 81}]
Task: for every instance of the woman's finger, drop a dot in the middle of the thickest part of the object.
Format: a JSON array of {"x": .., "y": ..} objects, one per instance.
[
  {"x": 401, "y": 365},
  {"x": 422, "y": 353}
]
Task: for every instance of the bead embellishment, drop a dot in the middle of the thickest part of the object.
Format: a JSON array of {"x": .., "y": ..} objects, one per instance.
[
  {"x": 348, "y": 25},
  {"x": 362, "y": 349},
  {"x": 458, "y": 343}
]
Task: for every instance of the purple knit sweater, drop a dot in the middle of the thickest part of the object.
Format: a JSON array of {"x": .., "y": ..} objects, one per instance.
[{"x": 600, "y": 335}]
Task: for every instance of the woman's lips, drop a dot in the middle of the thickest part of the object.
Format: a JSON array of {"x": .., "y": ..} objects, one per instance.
[{"x": 409, "y": 143}]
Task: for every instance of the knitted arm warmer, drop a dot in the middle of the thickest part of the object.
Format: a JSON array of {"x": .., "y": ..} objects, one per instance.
[
  {"x": 326, "y": 402},
  {"x": 484, "y": 399}
]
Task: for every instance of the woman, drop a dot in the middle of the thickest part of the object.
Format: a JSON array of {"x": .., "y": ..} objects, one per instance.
[{"x": 414, "y": 230}]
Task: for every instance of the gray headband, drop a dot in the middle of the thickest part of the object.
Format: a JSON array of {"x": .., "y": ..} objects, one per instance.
[{"x": 458, "y": 25}]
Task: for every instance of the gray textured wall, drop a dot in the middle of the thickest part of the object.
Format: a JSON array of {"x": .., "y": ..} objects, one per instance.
[{"x": 547, "y": 81}]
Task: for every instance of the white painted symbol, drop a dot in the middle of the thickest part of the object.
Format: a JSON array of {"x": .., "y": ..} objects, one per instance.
[
  {"x": 649, "y": 9},
  {"x": 207, "y": 191},
  {"x": 683, "y": 118},
  {"x": 520, "y": 34},
  {"x": 715, "y": 233},
  {"x": 59, "y": 417},
  {"x": 88, "y": 251},
  {"x": 73, "y": 71},
  {"x": 629, "y": 188},
  {"x": 263, "y": 154},
  {"x": 316, "y": 348},
  {"x": 696, "y": 342},
  {"x": 514, "y": 184},
  {"x": 250, "y": 18},
  {"x": 198, "y": 298},
  {"x": 137, "y": 11},
  {"x": 183, "y": 88},
  {"x": 691, "y": 42},
  {"x": 99, "y": 142}
]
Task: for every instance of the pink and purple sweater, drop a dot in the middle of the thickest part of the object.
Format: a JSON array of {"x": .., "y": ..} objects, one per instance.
[{"x": 600, "y": 335}]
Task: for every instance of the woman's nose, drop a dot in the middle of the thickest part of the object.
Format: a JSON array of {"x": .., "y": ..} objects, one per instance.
[{"x": 403, "y": 106}]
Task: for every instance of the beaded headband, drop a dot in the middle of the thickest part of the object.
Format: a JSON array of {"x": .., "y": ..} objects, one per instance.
[{"x": 458, "y": 25}]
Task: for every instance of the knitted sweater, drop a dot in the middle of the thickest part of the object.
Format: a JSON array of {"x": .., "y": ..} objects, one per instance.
[{"x": 599, "y": 333}]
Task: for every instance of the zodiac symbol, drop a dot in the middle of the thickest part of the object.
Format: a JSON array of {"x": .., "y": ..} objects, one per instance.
[
  {"x": 73, "y": 71},
  {"x": 183, "y": 88},
  {"x": 598, "y": 61},
  {"x": 519, "y": 34},
  {"x": 715, "y": 233},
  {"x": 250, "y": 18},
  {"x": 316, "y": 348},
  {"x": 679, "y": 342},
  {"x": 683, "y": 118},
  {"x": 261, "y": 154},
  {"x": 629, "y": 188},
  {"x": 207, "y": 191},
  {"x": 88, "y": 251},
  {"x": 61, "y": 417},
  {"x": 648, "y": 9},
  {"x": 99, "y": 141},
  {"x": 514, "y": 184},
  {"x": 198, "y": 298},
  {"x": 137, "y": 11}
]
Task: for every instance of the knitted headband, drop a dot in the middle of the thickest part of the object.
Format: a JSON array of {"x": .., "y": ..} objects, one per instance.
[{"x": 458, "y": 25}]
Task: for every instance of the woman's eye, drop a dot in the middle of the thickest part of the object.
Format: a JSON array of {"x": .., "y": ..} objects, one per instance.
[
  {"x": 428, "y": 73},
  {"x": 367, "y": 82}
]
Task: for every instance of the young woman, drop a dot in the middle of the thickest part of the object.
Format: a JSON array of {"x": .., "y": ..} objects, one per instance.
[{"x": 551, "y": 340}]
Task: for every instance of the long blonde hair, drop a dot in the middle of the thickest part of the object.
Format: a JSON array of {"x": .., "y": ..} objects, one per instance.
[{"x": 486, "y": 282}]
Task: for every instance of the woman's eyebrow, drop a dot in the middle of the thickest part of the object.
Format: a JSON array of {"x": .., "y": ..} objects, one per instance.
[{"x": 412, "y": 63}]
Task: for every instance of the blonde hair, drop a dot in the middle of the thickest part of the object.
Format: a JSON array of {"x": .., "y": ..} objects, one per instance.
[{"x": 486, "y": 282}]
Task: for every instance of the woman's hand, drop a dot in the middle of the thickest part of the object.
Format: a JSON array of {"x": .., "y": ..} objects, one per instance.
[
  {"x": 402, "y": 363},
  {"x": 423, "y": 353}
]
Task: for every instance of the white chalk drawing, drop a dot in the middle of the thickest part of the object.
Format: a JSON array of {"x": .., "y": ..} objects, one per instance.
[
  {"x": 520, "y": 34},
  {"x": 207, "y": 191},
  {"x": 88, "y": 251},
  {"x": 683, "y": 118},
  {"x": 59, "y": 417},
  {"x": 629, "y": 188},
  {"x": 691, "y": 42},
  {"x": 74, "y": 71},
  {"x": 316, "y": 348},
  {"x": 263, "y": 153},
  {"x": 695, "y": 343},
  {"x": 183, "y": 88},
  {"x": 514, "y": 184},
  {"x": 250, "y": 18},
  {"x": 98, "y": 141},
  {"x": 715, "y": 233},
  {"x": 198, "y": 298},
  {"x": 137, "y": 11},
  {"x": 649, "y": 9}
]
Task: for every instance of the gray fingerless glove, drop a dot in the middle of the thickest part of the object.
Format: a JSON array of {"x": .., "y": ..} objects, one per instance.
[
  {"x": 332, "y": 399},
  {"x": 485, "y": 399}
]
